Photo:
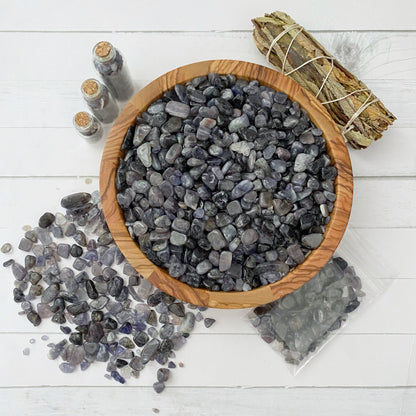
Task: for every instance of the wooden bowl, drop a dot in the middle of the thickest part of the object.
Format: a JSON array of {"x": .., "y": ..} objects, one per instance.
[{"x": 159, "y": 277}]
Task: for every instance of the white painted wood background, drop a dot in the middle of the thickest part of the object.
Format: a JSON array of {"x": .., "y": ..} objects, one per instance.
[{"x": 370, "y": 369}]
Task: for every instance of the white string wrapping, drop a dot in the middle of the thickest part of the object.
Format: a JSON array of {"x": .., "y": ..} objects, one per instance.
[{"x": 349, "y": 125}]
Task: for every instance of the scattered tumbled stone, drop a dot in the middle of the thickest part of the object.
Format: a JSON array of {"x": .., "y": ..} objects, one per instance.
[
  {"x": 177, "y": 309},
  {"x": 76, "y": 250},
  {"x": 105, "y": 239},
  {"x": 46, "y": 220},
  {"x": 32, "y": 236},
  {"x": 149, "y": 350},
  {"x": 158, "y": 387},
  {"x": 6, "y": 248},
  {"x": 75, "y": 201},
  {"x": 188, "y": 323},
  {"x": 163, "y": 375},
  {"x": 98, "y": 307},
  {"x": 26, "y": 351},
  {"x": 25, "y": 244},
  {"x": 8, "y": 263},
  {"x": 34, "y": 318},
  {"x": 19, "y": 272},
  {"x": 208, "y": 322},
  {"x": 67, "y": 368}
]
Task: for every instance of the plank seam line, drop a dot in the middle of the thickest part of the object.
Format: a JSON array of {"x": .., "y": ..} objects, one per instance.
[
  {"x": 213, "y": 31},
  {"x": 291, "y": 387}
]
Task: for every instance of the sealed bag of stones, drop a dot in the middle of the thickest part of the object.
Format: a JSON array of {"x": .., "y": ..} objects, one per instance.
[{"x": 300, "y": 324}]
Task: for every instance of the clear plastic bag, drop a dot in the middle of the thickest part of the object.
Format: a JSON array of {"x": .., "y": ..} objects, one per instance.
[{"x": 301, "y": 323}]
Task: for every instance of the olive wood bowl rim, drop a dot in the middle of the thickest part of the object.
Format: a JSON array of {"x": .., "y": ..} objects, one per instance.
[{"x": 336, "y": 148}]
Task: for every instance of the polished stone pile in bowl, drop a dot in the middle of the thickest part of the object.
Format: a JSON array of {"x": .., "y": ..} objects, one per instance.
[{"x": 225, "y": 183}]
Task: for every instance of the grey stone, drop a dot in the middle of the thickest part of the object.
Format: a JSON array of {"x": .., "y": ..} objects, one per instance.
[
  {"x": 241, "y": 147},
  {"x": 178, "y": 109},
  {"x": 19, "y": 272},
  {"x": 178, "y": 239},
  {"x": 177, "y": 309},
  {"x": 225, "y": 261},
  {"x": 181, "y": 225},
  {"x": 208, "y": 322},
  {"x": 239, "y": 123},
  {"x": 278, "y": 165},
  {"x": 302, "y": 161},
  {"x": 173, "y": 153},
  {"x": 140, "y": 228},
  {"x": 188, "y": 323},
  {"x": 296, "y": 253},
  {"x": 163, "y": 374},
  {"x": 282, "y": 206},
  {"x": 46, "y": 220},
  {"x": 66, "y": 368},
  {"x": 140, "y": 133},
  {"x": 249, "y": 236},
  {"x": 324, "y": 210},
  {"x": 144, "y": 154},
  {"x": 149, "y": 351},
  {"x": 241, "y": 189},
  {"x": 63, "y": 250},
  {"x": 266, "y": 199},
  {"x": 6, "y": 248},
  {"x": 312, "y": 240},
  {"x": 290, "y": 122},
  {"x": 191, "y": 199},
  {"x": 74, "y": 201},
  {"x": 234, "y": 208},
  {"x": 216, "y": 239},
  {"x": 158, "y": 387},
  {"x": 156, "y": 198},
  {"x": 204, "y": 267},
  {"x": 25, "y": 244},
  {"x": 229, "y": 232}
]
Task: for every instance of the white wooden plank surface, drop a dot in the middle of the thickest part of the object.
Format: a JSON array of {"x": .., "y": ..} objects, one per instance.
[
  {"x": 370, "y": 55},
  {"x": 39, "y": 93},
  {"x": 211, "y": 401},
  {"x": 165, "y": 15}
]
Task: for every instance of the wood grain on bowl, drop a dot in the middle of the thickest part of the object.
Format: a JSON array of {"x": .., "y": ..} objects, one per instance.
[{"x": 336, "y": 148}]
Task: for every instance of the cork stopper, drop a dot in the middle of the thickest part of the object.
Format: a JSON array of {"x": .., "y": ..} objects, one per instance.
[
  {"x": 82, "y": 119},
  {"x": 102, "y": 49},
  {"x": 90, "y": 87}
]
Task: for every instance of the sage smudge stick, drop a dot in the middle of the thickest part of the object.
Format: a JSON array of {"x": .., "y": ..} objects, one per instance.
[{"x": 361, "y": 117}]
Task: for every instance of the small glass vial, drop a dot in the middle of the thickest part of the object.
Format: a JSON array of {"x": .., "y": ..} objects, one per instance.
[
  {"x": 110, "y": 65},
  {"x": 99, "y": 100},
  {"x": 88, "y": 126}
]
